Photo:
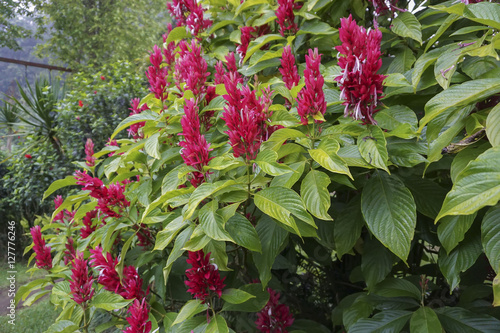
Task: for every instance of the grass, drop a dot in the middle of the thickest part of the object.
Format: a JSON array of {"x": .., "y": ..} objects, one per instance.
[
  {"x": 21, "y": 276},
  {"x": 34, "y": 319}
]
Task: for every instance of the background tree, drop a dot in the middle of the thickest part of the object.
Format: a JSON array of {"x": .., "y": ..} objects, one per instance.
[
  {"x": 88, "y": 32},
  {"x": 9, "y": 11}
]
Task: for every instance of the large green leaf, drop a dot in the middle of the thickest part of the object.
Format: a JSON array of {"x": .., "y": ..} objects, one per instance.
[
  {"x": 347, "y": 227},
  {"x": 266, "y": 160},
  {"x": 243, "y": 232},
  {"x": 459, "y": 320},
  {"x": 390, "y": 212},
  {"x": 236, "y": 296},
  {"x": 376, "y": 263},
  {"x": 477, "y": 186},
  {"x": 273, "y": 239},
  {"x": 485, "y": 12},
  {"x": 314, "y": 192},
  {"x": 493, "y": 126},
  {"x": 407, "y": 25},
  {"x": 109, "y": 301},
  {"x": 280, "y": 203},
  {"x": 424, "y": 62},
  {"x": 394, "y": 287},
  {"x": 134, "y": 119},
  {"x": 189, "y": 309},
  {"x": 425, "y": 320},
  {"x": 253, "y": 304},
  {"x": 202, "y": 192},
  {"x": 464, "y": 157},
  {"x": 461, "y": 258},
  {"x": 217, "y": 325},
  {"x": 373, "y": 147},
  {"x": 490, "y": 235},
  {"x": 165, "y": 236},
  {"x": 212, "y": 222},
  {"x": 452, "y": 229},
  {"x": 428, "y": 195},
  {"x": 458, "y": 96},
  {"x": 391, "y": 321},
  {"x": 68, "y": 181},
  {"x": 326, "y": 156}
]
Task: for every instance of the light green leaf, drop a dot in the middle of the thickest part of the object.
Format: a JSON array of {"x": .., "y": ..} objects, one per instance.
[
  {"x": 68, "y": 181},
  {"x": 390, "y": 212},
  {"x": 109, "y": 301},
  {"x": 176, "y": 34},
  {"x": 314, "y": 192},
  {"x": 490, "y": 236},
  {"x": 134, "y": 119},
  {"x": 63, "y": 326},
  {"x": 236, "y": 296},
  {"x": 213, "y": 223},
  {"x": 493, "y": 126},
  {"x": 280, "y": 203},
  {"x": 217, "y": 325},
  {"x": 458, "y": 96},
  {"x": 189, "y": 309},
  {"x": 203, "y": 191},
  {"x": 316, "y": 28},
  {"x": 152, "y": 146},
  {"x": 165, "y": 236},
  {"x": 373, "y": 147},
  {"x": 425, "y": 320},
  {"x": 277, "y": 139},
  {"x": 257, "y": 44},
  {"x": 243, "y": 232},
  {"x": 266, "y": 160},
  {"x": 477, "y": 186},
  {"x": 407, "y": 25},
  {"x": 326, "y": 156},
  {"x": 253, "y": 304}
]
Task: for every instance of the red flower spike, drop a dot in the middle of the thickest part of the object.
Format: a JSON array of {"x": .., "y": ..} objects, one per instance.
[
  {"x": 87, "y": 221},
  {"x": 311, "y": 99},
  {"x": 195, "y": 148},
  {"x": 28, "y": 156},
  {"x": 80, "y": 104},
  {"x": 361, "y": 85},
  {"x": 89, "y": 152},
  {"x": 286, "y": 17},
  {"x": 139, "y": 317},
  {"x": 288, "y": 68},
  {"x": 274, "y": 317},
  {"x": 203, "y": 278},
  {"x": 189, "y": 13},
  {"x": 191, "y": 68},
  {"x": 103, "y": 78},
  {"x": 81, "y": 280},
  {"x": 156, "y": 74},
  {"x": 70, "y": 252},
  {"x": 42, "y": 251}
]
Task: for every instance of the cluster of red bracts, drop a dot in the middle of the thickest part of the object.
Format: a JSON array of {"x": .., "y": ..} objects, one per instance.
[
  {"x": 63, "y": 214},
  {"x": 191, "y": 68},
  {"x": 42, "y": 252},
  {"x": 288, "y": 68},
  {"x": 286, "y": 17},
  {"x": 81, "y": 280},
  {"x": 156, "y": 74},
  {"x": 361, "y": 85},
  {"x": 274, "y": 317},
  {"x": 204, "y": 279},
  {"x": 189, "y": 13},
  {"x": 89, "y": 152},
  {"x": 139, "y": 317}
]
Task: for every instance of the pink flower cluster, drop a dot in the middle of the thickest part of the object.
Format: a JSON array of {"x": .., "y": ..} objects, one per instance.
[
  {"x": 288, "y": 68},
  {"x": 169, "y": 51},
  {"x": 70, "y": 252},
  {"x": 109, "y": 199},
  {"x": 81, "y": 280},
  {"x": 191, "y": 68},
  {"x": 63, "y": 214},
  {"x": 89, "y": 152},
  {"x": 42, "y": 251},
  {"x": 156, "y": 74},
  {"x": 113, "y": 143},
  {"x": 130, "y": 286},
  {"x": 220, "y": 72},
  {"x": 195, "y": 148},
  {"x": 203, "y": 278},
  {"x": 245, "y": 116},
  {"x": 311, "y": 99},
  {"x": 247, "y": 35},
  {"x": 274, "y": 317},
  {"x": 88, "y": 226},
  {"x": 139, "y": 317},
  {"x": 361, "y": 85},
  {"x": 286, "y": 17},
  {"x": 189, "y": 13},
  {"x": 135, "y": 109}
]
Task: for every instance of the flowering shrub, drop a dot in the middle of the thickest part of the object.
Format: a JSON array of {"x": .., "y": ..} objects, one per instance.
[{"x": 314, "y": 172}]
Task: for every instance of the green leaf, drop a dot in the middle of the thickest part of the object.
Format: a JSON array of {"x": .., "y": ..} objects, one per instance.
[
  {"x": 134, "y": 119},
  {"x": 496, "y": 290},
  {"x": 390, "y": 321},
  {"x": 407, "y": 25},
  {"x": 393, "y": 287},
  {"x": 459, "y": 96},
  {"x": 152, "y": 146},
  {"x": 425, "y": 320},
  {"x": 477, "y": 186},
  {"x": 314, "y": 192},
  {"x": 217, "y": 325},
  {"x": 259, "y": 42},
  {"x": 460, "y": 258},
  {"x": 403, "y": 60},
  {"x": 203, "y": 191},
  {"x": 452, "y": 229},
  {"x": 390, "y": 212},
  {"x": 68, "y": 181},
  {"x": 236, "y": 296},
  {"x": 490, "y": 236},
  {"x": 493, "y": 126},
  {"x": 347, "y": 227},
  {"x": 395, "y": 117},
  {"x": 289, "y": 179},
  {"x": 109, "y": 301},
  {"x": 459, "y": 320},
  {"x": 189, "y": 309},
  {"x": 424, "y": 62},
  {"x": 273, "y": 239},
  {"x": 212, "y": 223},
  {"x": 253, "y": 304},
  {"x": 277, "y": 139},
  {"x": 63, "y": 326},
  {"x": 243, "y": 233},
  {"x": 396, "y": 80},
  {"x": 326, "y": 156},
  {"x": 165, "y": 236},
  {"x": 280, "y": 203},
  {"x": 373, "y": 147},
  {"x": 376, "y": 263},
  {"x": 176, "y": 34},
  {"x": 316, "y": 28},
  {"x": 266, "y": 160}
]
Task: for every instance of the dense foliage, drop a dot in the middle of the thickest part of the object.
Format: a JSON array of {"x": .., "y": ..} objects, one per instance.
[{"x": 294, "y": 168}]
